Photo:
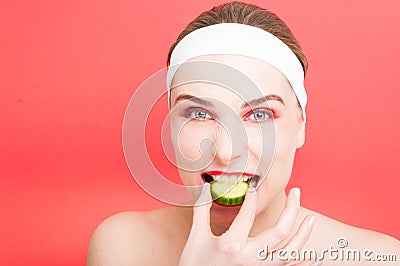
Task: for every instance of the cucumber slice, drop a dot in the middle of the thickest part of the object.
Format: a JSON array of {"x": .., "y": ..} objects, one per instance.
[{"x": 228, "y": 193}]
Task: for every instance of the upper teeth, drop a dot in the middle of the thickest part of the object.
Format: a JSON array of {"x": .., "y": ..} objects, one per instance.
[{"x": 231, "y": 178}]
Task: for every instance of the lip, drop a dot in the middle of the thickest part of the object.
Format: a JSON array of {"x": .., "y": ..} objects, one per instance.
[
  {"x": 213, "y": 173},
  {"x": 226, "y": 206},
  {"x": 227, "y": 173}
]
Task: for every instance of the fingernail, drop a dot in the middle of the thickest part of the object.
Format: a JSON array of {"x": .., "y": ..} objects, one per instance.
[
  {"x": 205, "y": 187},
  {"x": 254, "y": 181},
  {"x": 311, "y": 223},
  {"x": 296, "y": 192}
]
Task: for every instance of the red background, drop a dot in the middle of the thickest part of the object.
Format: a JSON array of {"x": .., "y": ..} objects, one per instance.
[{"x": 69, "y": 68}]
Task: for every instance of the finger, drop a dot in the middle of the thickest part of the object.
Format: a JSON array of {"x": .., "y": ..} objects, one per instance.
[
  {"x": 285, "y": 222},
  {"x": 201, "y": 211},
  {"x": 302, "y": 234},
  {"x": 240, "y": 228},
  {"x": 299, "y": 239},
  {"x": 309, "y": 263},
  {"x": 200, "y": 233}
]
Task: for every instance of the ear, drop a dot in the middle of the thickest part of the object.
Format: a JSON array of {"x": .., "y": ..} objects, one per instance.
[{"x": 301, "y": 134}]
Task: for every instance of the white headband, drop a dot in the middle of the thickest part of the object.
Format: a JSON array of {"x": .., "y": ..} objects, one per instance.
[{"x": 241, "y": 39}]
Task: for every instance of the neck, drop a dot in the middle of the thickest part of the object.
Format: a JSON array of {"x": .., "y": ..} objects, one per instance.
[{"x": 263, "y": 220}]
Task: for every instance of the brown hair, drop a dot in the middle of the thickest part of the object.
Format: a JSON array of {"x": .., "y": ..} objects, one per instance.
[{"x": 237, "y": 12}]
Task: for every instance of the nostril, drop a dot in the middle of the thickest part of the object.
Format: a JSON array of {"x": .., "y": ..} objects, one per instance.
[{"x": 208, "y": 178}]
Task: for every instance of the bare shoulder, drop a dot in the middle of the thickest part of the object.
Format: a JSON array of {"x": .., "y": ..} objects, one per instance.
[
  {"x": 375, "y": 246},
  {"x": 377, "y": 242},
  {"x": 122, "y": 239},
  {"x": 135, "y": 238}
]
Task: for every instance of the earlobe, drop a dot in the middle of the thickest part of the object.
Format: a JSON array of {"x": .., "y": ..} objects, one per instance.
[{"x": 301, "y": 135}]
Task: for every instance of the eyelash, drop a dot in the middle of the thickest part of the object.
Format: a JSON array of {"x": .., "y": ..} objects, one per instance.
[
  {"x": 270, "y": 114},
  {"x": 189, "y": 114}
]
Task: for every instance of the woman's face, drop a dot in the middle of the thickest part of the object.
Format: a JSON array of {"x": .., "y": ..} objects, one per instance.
[{"x": 231, "y": 135}]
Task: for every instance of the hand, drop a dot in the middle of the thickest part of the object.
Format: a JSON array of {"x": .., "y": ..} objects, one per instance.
[{"x": 235, "y": 247}]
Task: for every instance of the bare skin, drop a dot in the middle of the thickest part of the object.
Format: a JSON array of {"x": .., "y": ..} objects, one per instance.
[
  {"x": 163, "y": 234},
  {"x": 207, "y": 235}
]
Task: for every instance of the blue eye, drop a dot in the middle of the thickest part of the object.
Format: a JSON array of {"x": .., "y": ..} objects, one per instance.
[
  {"x": 261, "y": 115},
  {"x": 198, "y": 114}
]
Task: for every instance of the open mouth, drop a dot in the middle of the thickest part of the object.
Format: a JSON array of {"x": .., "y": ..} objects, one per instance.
[
  {"x": 230, "y": 189},
  {"x": 252, "y": 180}
]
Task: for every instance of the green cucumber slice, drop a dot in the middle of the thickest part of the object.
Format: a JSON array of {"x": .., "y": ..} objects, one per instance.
[{"x": 228, "y": 193}]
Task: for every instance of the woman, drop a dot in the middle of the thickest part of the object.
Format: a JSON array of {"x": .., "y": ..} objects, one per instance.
[{"x": 254, "y": 135}]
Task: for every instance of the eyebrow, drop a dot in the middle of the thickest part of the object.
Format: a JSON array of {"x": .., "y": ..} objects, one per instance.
[
  {"x": 269, "y": 97},
  {"x": 193, "y": 99}
]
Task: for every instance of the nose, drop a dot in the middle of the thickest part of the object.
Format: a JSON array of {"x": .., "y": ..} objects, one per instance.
[{"x": 228, "y": 145}]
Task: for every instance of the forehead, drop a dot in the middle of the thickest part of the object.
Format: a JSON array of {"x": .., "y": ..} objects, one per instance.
[{"x": 246, "y": 76}]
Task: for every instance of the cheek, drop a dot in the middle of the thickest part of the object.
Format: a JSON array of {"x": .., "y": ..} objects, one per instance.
[
  {"x": 254, "y": 138},
  {"x": 190, "y": 179},
  {"x": 191, "y": 154},
  {"x": 188, "y": 143},
  {"x": 286, "y": 138},
  {"x": 283, "y": 157},
  {"x": 192, "y": 141},
  {"x": 261, "y": 143}
]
